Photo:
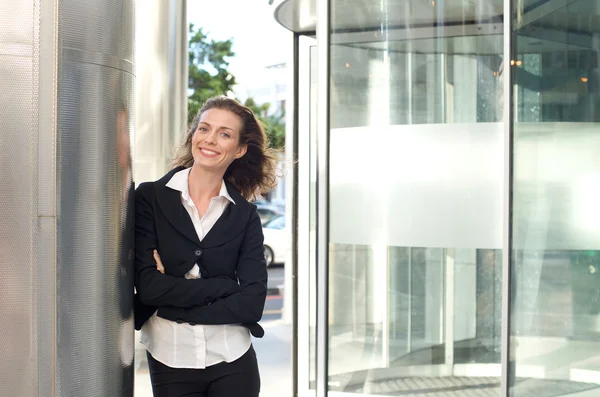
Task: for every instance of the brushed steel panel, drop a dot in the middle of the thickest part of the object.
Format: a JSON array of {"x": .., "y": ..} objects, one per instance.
[
  {"x": 95, "y": 284},
  {"x": 104, "y": 27},
  {"x": 17, "y": 228},
  {"x": 45, "y": 325},
  {"x": 80, "y": 337},
  {"x": 16, "y": 27}
]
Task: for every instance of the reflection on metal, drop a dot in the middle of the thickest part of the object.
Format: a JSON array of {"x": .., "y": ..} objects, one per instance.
[
  {"x": 297, "y": 16},
  {"x": 161, "y": 85},
  {"x": 66, "y": 325},
  {"x": 95, "y": 275}
]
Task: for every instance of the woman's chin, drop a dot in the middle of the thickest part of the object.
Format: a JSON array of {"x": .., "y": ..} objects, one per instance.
[{"x": 209, "y": 166}]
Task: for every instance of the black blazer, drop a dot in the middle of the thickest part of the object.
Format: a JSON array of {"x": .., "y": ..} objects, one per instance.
[{"x": 231, "y": 252}]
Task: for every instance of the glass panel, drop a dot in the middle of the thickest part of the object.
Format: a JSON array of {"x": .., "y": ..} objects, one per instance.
[
  {"x": 555, "y": 305},
  {"x": 416, "y": 187}
]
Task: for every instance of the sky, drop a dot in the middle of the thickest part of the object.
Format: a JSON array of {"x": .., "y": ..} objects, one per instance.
[{"x": 258, "y": 40}]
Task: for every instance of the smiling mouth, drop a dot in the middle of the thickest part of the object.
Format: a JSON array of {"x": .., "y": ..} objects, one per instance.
[{"x": 208, "y": 152}]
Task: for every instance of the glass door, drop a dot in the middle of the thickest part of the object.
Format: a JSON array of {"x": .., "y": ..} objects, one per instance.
[
  {"x": 555, "y": 299},
  {"x": 416, "y": 187},
  {"x": 433, "y": 176}
]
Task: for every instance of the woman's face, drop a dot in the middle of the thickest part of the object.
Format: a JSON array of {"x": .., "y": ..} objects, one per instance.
[{"x": 215, "y": 143}]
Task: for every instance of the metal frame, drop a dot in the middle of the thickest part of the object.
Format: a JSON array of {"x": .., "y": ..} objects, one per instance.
[
  {"x": 448, "y": 261},
  {"x": 415, "y": 33},
  {"x": 294, "y": 198},
  {"x": 323, "y": 38},
  {"x": 46, "y": 194},
  {"x": 304, "y": 253},
  {"x": 409, "y": 319},
  {"x": 505, "y": 360}
]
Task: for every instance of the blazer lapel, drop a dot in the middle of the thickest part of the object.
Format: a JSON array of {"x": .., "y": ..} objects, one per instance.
[
  {"x": 231, "y": 223},
  {"x": 169, "y": 201}
]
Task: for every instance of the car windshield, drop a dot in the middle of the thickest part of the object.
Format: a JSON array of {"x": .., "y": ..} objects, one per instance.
[{"x": 276, "y": 223}]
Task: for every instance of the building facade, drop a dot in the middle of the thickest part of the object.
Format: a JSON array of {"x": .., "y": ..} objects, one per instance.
[
  {"x": 271, "y": 86},
  {"x": 448, "y": 221}
]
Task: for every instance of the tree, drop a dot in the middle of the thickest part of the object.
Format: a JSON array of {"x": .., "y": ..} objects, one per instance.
[
  {"x": 209, "y": 76},
  {"x": 274, "y": 124},
  {"x": 204, "y": 54}
]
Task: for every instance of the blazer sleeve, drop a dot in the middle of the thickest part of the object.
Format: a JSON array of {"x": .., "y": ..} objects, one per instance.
[
  {"x": 245, "y": 306},
  {"x": 157, "y": 289}
]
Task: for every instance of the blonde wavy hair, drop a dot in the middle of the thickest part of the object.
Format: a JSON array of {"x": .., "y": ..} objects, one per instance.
[{"x": 253, "y": 174}]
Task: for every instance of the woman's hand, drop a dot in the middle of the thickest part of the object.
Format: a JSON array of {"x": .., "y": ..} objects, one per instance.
[{"x": 159, "y": 264}]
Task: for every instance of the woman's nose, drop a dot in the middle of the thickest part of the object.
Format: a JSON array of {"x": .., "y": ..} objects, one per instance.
[{"x": 210, "y": 138}]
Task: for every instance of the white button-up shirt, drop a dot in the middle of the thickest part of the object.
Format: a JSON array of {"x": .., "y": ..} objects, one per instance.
[{"x": 195, "y": 346}]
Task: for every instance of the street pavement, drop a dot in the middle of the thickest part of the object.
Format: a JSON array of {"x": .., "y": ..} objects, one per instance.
[{"x": 273, "y": 350}]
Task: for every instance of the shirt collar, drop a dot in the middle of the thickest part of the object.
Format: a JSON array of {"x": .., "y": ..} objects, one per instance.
[{"x": 179, "y": 182}]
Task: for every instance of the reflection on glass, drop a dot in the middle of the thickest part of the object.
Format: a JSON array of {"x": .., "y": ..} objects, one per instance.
[
  {"x": 555, "y": 306},
  {"x": 416, "y": 187}
]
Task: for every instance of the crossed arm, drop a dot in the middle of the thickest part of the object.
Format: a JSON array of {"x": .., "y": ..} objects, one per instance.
[
  {"x": 244, "y": 306},
  {"x": 153, "y": 286}
]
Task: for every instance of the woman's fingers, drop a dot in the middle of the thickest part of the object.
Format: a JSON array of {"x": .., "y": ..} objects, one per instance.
[{"x": 159, "y": 264}]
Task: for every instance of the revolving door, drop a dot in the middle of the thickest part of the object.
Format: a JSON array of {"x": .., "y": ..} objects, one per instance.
[{"x": 449, "y": 241}]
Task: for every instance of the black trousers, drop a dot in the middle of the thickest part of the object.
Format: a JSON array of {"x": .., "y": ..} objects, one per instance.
[{"x": 239, "y": 378}]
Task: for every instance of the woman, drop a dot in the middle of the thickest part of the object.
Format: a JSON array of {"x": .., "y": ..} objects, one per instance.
[{"x": 201, "y": 277}]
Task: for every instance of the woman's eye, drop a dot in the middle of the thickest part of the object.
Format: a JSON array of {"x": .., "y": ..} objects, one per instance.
[
  {"x": 225, "y": 135},
  {"x": 202, "y": 129}
]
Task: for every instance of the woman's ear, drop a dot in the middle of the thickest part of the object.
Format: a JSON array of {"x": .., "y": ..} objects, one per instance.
[{"x": 241, "y": 151}]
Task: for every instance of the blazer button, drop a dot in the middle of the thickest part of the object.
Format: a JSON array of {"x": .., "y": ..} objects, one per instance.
[
  {"x": 198, "y": 252},
  {"x": 192, "y": 323},
  {"x": 208, "y": 302},
  {"x": 179, "y": 321}
]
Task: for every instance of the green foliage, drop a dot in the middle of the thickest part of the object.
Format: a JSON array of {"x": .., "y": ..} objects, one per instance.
[
  {"x": 273, "y": 124},
  {"x": 205, "y": 53},
  {"x": 204, "y": 84}
]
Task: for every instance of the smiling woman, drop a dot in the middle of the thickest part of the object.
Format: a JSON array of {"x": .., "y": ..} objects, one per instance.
[
  {"x": 202, "y": 279},
  {"x": 255, "y": 169},
  {"x": 216, "y": 141}
]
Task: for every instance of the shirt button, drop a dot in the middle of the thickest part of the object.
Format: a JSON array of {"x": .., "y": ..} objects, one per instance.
[{"x": 198, "y": 252}]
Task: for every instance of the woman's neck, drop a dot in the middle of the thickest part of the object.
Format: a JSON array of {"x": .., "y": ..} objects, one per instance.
[{"x": 204, "y": 185}]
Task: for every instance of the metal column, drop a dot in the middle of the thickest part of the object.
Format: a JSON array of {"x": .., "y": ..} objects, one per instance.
[{"x": 323, "y": 38}]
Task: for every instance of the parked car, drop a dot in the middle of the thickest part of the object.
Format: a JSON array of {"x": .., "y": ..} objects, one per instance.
[
  {"x": 267, "y": 212},
  {"x": 275, "y": 240}
]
